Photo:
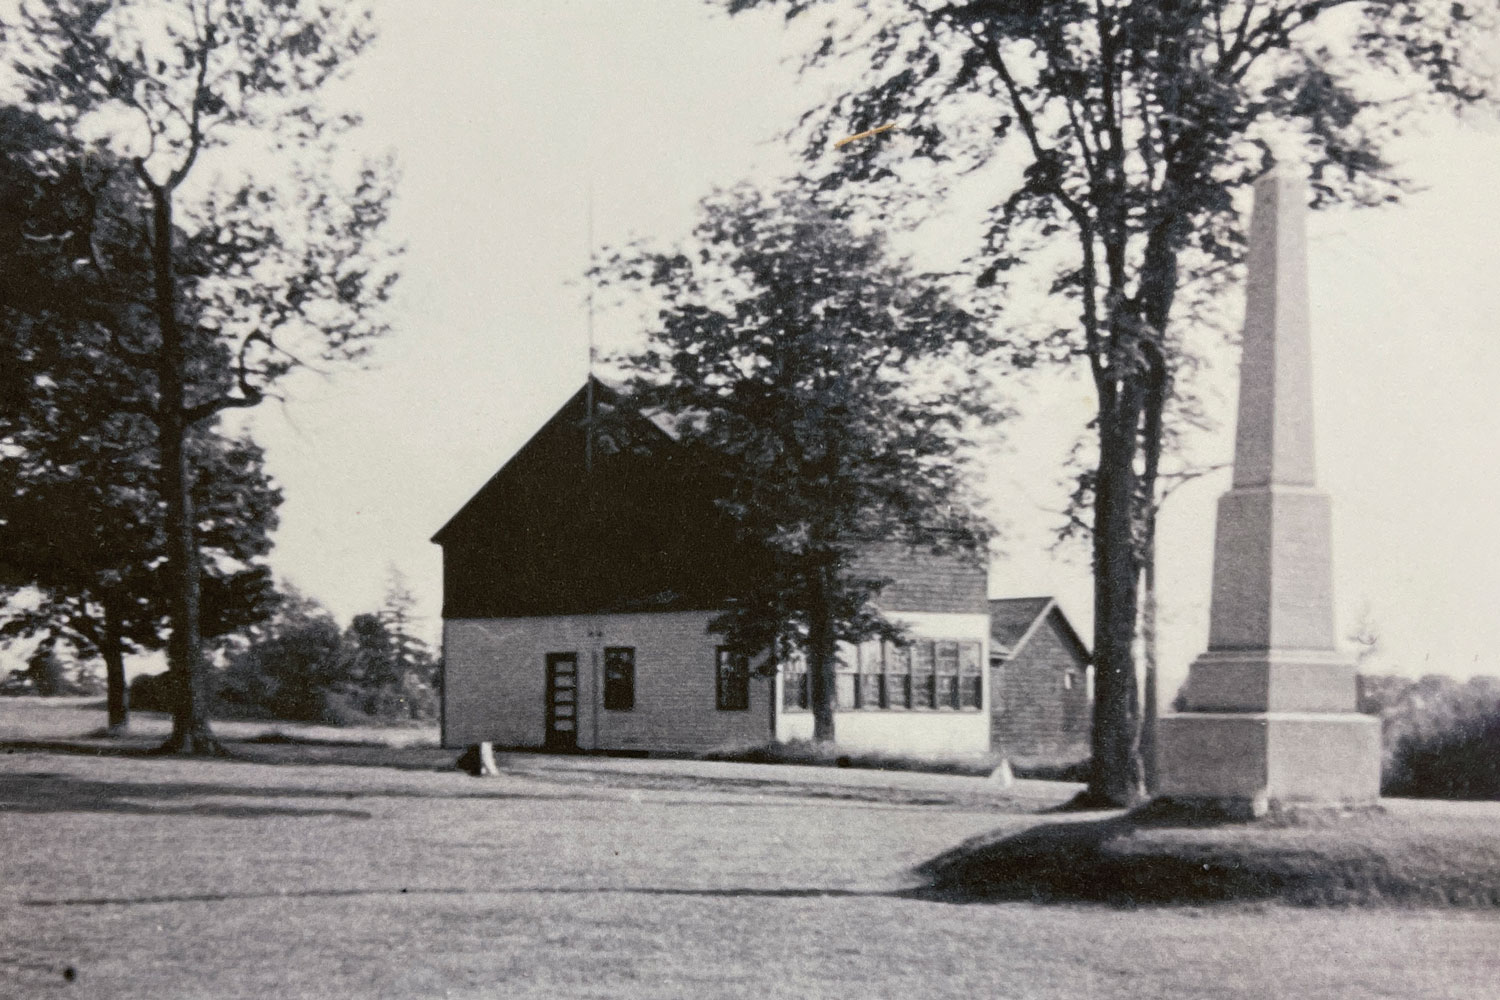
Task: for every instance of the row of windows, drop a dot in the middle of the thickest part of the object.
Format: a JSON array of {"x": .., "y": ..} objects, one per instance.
[
  {"x": 927, "y": 673},
  {"x": 731, "y": 680}
]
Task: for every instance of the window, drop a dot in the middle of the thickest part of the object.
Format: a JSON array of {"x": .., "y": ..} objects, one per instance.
[
  {"x": 794, "y": 683},
  {"x": 921, "y": 674},
  {"x": 947, "y": 675},
  {"x": 924, "y": 673},
  {"x": 846, "y": 673},
  {"x": 970, "y": 681},
  {"x": 1068, "y": 680},
  {"x": 871, "y": 676},
  {"x": 897, "y": 676},
  {"x": 731, "y": 680},
  {"x": 997, "y": 685},
  {"x": 619, "y": 678}
]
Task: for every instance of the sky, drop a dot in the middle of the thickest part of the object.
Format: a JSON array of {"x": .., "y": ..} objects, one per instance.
[{"x": 509, "y": 118}]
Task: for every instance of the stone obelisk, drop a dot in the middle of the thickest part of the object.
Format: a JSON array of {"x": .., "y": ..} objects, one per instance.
[{"x": 1271, "y": 706}]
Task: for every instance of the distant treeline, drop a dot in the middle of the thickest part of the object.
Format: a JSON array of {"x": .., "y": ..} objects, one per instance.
[
  {"x": 1441, "y": 737},
  {"x": 296, "y": 664},
  {"x": 300, "y": 666}
]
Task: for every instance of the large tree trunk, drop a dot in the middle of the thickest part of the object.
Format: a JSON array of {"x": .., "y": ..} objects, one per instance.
[
  {"x": 1115, "y": 777},
  {"x": 1148, "y": 653},
  {"x": 821, "y": 657},
  {"x": 112, "y": 649},
  {"x": 190, "y": 729}
]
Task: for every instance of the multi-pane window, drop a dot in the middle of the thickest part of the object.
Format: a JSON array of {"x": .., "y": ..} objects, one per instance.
[
  {"x": 923, "y": 673},
  {"x": 619, "y": 678},
  {"x": 970, "y": 678},
  {"x": 731, "y": 680},
  {"x": 947, "y": 675},
  {"x": 871, "y": 675},
  {"x": 846, "y": 676},
  {"x": 794, "y": 683},
  {"x": 897, "y": 676}
]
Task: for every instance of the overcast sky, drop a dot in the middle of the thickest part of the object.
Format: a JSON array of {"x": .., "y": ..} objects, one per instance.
[{"x": 504, "y": 114}]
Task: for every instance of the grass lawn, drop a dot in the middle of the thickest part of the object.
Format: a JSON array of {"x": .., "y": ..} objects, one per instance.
[{"x": 165, "y": 878}]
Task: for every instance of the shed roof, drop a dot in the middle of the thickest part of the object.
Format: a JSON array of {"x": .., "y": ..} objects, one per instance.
[{"x": 1014, "y": 620}]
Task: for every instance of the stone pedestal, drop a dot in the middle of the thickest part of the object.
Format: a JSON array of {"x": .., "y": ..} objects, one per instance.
[
  {"x": 1271, "y": 706},
  {"x": 1248, "y": 761}
]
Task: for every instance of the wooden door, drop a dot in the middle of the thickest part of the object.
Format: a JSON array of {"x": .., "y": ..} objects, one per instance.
[{"x": 562, "y": 701}]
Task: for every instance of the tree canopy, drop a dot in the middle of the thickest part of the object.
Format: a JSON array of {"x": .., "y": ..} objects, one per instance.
[
  {"x": 829, "y": 393},
  {"x": 218, "y": 234},
  {"x": 1116, "y": 137}
]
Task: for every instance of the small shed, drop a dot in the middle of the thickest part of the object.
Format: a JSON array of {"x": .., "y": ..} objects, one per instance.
[{"x": 1041, "y": 695}]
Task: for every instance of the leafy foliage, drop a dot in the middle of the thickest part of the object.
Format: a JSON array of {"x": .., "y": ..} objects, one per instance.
[
  {"x": 213, "y": 291},
  {"x": 81, "y": 523},
  {"x": 47, "y": 675},
  {"x": 81, "y": 515},
  {"x": 1441, "y": 738},
  {"x": 1118, "y": 135},
  {"x": 300, "y": 666},
  {"x": 826, "y": 392}
]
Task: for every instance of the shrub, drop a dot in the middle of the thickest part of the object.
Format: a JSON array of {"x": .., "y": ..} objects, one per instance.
[
  {"x": 47, "y": 675},
  {"x": 301, "y": 667},
  {"x": 1441, "y": 738},
  {"x": 153, "y": 692}
]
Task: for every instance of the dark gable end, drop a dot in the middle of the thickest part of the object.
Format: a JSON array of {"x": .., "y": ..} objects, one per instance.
[{"x": 552, "y": 533}]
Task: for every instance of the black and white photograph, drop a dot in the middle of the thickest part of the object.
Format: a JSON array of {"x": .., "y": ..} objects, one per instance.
[{"x": 749, "y": 499}]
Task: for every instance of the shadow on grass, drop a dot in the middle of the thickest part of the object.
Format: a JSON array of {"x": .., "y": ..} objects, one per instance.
[
  {"x": 38, "y": 792},
  {"x": 42, "y": 792},
  {"x": 731, "y": 892},
  {"x": 1153, "y": 857},
  {"x": 272, "y": 749}
]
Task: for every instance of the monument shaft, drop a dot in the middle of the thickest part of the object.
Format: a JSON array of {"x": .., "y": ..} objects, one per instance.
[{"x": 1271, "y": 706}]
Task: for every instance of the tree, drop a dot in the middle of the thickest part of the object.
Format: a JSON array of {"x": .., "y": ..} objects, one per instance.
[
  {"x": 81, "y": 520},
  {"x": 410, "y": 654},
  {"x": 825, "y": 391},
  {"x": 46, "y": 675},
  {"x": 1133, "y": 125},
  {"x": 292, "y": 663},
  {"x": 238, "y": 281},
  {"x": 82, "y": 526},
  {"x": 299, "y": 665}
]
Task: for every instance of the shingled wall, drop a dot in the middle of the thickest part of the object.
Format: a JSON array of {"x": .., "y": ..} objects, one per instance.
[{"x": 1034, "y": 712}]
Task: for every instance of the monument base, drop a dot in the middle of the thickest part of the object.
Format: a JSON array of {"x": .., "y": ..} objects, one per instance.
[
  {"x": 1248, "y": 762},
  {"x": 1316, "y": 681}
]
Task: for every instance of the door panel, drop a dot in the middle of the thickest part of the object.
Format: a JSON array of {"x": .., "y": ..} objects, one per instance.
[{"x": 562, "y": 701}]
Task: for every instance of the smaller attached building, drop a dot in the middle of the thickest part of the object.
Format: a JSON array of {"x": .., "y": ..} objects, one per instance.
[{"x": 1041, "y": 702}]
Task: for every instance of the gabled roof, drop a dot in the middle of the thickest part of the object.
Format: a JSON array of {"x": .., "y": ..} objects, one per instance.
[
  {"x": 1014, "y": 620},
  {"x": 574, "y": 411}
]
